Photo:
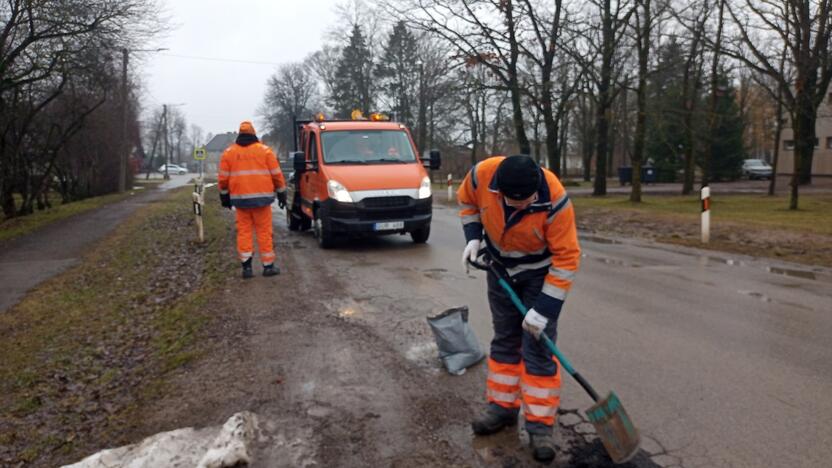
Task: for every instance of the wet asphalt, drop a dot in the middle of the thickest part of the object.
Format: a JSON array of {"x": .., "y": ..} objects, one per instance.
[
  {"x": 720, "y": 360},
  {"x": 28, "y": 261}
]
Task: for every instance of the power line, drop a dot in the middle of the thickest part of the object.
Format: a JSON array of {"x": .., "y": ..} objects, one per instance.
[{"x": 217, "y": 59}]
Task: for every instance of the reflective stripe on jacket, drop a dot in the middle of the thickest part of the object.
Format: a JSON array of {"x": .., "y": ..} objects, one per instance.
[
  {"x": 251, "y": 175},
  {"x": 541, "y": 239}
]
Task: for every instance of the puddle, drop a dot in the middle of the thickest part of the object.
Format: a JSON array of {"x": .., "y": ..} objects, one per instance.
[
  {"x": 436, "y": 273},
  {"x": 599, "y": 240},
  {"x": 793, "y": 273},
  {"x": 724, "y": 261},
  {"x": 756, "y": 295},
  {"x": 610, "y": 261}
]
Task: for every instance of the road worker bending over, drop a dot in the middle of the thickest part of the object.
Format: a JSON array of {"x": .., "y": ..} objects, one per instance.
[
  {"x": 249, "y": 177},
  {"x": 524, "y": 216}
]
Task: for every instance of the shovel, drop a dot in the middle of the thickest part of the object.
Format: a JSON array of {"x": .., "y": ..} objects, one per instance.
[{"x": 613, "y": 426}]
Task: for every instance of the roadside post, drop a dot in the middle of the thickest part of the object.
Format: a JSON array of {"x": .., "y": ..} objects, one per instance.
[
  {"x": 450, "y": 188},
  {"x": 198, "y": 195},
  {"x": 706, "y": 214}
]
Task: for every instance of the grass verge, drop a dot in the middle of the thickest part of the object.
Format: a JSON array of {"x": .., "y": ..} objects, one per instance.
[
  {"x": 814, "y": 215},
  {"x": 83, "y": 352},
  {"x": 753, "y": 225}
]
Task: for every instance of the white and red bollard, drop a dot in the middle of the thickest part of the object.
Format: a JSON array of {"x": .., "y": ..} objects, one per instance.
[
  {"x": 706, "y": 214},
  {"x": 450, "y": 187}
]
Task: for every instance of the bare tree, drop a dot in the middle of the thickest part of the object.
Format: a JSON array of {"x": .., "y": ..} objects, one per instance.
[
  {"x": 484, "y": 32},
  {"x": 50, "y": 53},
  {"x": 604, "y": 31},
  {"x": 289, "y": 94},
  {"x": 803, "y": 28}
]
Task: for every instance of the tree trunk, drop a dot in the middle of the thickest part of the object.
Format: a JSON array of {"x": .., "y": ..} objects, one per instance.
[
  {"x": 552, "y": 153},
  {"x": 604, "y": 103},
  {"x": 778, "y": 132},
  {"x": 713, "y": 122},
  {"x": 641, "y": 98}
]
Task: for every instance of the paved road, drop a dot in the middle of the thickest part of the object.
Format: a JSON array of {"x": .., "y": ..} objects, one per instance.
[
  {"x": 721, "y": 361},
  {"x": 28, "y": 261}
]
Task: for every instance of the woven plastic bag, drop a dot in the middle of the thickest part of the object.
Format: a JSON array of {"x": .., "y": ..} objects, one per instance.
[{"x": 457, "y": 343}]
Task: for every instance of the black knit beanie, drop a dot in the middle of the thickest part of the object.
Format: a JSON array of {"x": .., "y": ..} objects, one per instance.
[{"x": 518, "y": 177}]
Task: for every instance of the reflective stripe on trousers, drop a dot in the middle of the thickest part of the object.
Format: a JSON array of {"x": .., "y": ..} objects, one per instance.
[{"x": 503, "y": 384}]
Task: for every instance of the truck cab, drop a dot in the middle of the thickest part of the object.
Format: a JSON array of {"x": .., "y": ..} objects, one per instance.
[{"x": 359, "y": 177}]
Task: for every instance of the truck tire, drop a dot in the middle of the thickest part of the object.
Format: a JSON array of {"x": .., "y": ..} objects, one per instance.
[
  {"x": 292, "y": 220},
  {"x": 420, "y": 236},
  {"x": 325, "y": 238}
]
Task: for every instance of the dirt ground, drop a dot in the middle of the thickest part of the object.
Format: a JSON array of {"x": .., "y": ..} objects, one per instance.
[{"x": 332, "y": 391}]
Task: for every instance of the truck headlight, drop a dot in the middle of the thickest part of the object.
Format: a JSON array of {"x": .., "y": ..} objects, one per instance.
[
  {"x": 338, "y": 191},
  {"x": 424, "y": 188}
]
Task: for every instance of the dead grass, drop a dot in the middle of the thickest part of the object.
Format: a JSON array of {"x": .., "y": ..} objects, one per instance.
[
  {"x": 759, "y": 226},
  {"x": 757, "y": 211},
  {"x": 83, "y": 352}
]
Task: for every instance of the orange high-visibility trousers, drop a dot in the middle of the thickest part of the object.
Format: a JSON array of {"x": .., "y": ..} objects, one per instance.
[{"x": 259, "y": 220}]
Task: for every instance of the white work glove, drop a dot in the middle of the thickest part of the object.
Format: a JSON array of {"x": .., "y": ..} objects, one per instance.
[
  {"x": 472, "y": 249},
  {"x": 534, "y": 323}
]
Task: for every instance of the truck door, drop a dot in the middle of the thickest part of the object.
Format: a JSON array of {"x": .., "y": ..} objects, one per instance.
[{"x": 309, "y": 187}]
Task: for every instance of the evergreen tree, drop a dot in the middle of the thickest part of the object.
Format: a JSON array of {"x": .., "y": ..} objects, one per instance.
[
  {"x": 727, "y": 139},
  {"x": 398, "y": 73},
  {"x": 666, "y": 127},
  {"x": 353, "y": 82}
]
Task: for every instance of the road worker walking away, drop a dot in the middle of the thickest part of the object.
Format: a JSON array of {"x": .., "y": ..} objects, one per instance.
[
  {"x": 520, "y": 214},
  {"x": 249, "y": 177}
]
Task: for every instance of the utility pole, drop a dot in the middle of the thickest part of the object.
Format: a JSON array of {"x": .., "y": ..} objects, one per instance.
[
  {"x": 422, "y": 125},
  {"x": 167, "y": 146},
  {"x": 124, "y": 148}
]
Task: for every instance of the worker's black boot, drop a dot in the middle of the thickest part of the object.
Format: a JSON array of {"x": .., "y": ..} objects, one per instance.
[
  {"x": 247, "y": 271},
  {"x": 271, "y": 270},
  {"x": 493, "y": 420},
  {"x": 543, "y": 447}
]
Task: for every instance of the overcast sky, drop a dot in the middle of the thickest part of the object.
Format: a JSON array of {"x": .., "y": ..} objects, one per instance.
[{"x": 218, "y": 94}]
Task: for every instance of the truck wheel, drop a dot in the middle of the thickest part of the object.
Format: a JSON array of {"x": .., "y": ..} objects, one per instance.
[
  {"x": 325, "y": 238},
  {"x": 292, "y": 220},
  {"x": 420, "y": 236}
]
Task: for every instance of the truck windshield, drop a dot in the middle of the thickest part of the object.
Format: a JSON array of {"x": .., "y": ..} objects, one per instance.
[{"x": 366, "y": 147}]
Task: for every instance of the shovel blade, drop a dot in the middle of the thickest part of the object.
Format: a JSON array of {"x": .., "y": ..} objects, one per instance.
[{"x": 615, "y": 429}]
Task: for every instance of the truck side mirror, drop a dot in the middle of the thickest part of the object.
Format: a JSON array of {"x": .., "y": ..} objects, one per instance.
[
  {"x": 435, "y": 159},
  {"x": 298, "y": 161}
]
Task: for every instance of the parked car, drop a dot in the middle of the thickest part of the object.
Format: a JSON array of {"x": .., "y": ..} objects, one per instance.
[
  {"x": 756, "y": 169},
  {"x": 174, "y": 169}
]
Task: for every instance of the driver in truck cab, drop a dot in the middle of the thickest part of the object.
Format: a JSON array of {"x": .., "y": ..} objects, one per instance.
[{"x": 359, "y": 177}]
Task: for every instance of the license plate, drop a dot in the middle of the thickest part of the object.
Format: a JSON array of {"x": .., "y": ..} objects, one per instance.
[{"x": 389, "y": 226}]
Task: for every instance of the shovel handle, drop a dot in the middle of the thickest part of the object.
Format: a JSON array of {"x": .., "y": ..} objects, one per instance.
[{"x": 545, "y": 339}]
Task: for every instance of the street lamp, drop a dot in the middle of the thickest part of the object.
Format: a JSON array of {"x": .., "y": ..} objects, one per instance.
[{"x": 123, "y": 146}]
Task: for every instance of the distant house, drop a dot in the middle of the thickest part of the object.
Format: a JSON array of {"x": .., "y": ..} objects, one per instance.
[
  {"x": 822, "y": 158},
  {"x": 215, "y": 148}
]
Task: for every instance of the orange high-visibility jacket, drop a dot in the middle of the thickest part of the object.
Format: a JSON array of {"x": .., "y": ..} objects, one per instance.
[
  {"x": 251, "y": 175},
  {"x": 541, "y": 239}
]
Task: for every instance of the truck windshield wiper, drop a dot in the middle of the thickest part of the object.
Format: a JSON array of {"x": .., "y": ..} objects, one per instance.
[
  {"x": 349, "y": 161},
  {"x": 386, "y": 160}
]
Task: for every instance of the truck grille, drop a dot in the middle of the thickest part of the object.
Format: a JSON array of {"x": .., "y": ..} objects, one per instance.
[{"x": 386, "y": 202}]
